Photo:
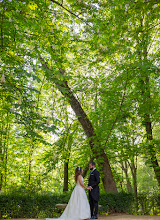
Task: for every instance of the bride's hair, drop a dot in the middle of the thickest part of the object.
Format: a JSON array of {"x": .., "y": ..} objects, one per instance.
[{"x": 77, "y": 172}]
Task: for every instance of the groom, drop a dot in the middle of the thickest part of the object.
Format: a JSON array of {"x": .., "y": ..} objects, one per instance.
[{"x": 93, "y": 187}]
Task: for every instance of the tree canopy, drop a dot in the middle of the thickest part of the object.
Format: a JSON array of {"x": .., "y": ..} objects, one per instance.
[{"x": 80, "y": 82}]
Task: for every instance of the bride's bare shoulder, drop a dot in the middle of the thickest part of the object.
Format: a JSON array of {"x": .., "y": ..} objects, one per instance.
[{"x": 79, "y": 177}]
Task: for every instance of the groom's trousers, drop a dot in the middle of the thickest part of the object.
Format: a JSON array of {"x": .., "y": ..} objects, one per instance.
[{"x": 93, "y": 206}]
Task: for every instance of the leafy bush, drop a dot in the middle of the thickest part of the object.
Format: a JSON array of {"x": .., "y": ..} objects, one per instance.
[
  {"x": 30, "y": 206},
  {"x": 23, "y": 205},
  {"x": 149, "y": 204},
  {"x": 120, "y": 202}
]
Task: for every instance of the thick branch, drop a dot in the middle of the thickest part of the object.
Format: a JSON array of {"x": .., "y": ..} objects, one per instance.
[{"x": 76, "y": 106}]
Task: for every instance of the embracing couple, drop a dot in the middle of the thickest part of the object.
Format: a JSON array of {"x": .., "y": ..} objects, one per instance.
[{"x": 78, "y": 206}]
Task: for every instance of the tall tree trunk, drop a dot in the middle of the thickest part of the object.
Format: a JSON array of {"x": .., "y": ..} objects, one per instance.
[
  {"x": 145, "y": 91},
  {"x": 65, "y": 185},
  {"x": 148, "y": 126},
  {"x": 125, "y": 169},
  {"x": 151, "y": 149},
  {"x": 1, "y": 159},
  {"x": 5, "y": 169},
  {"x": 1, "y": 181},
  {"x": 69, "y": 141},
  {"x": 97, "y": 149},
  {"x": 1, "y": 174},
  {"x": 29, "y": 169},
  {"x": 133, "y": 168},
  {"x": 6, "y": 151}
]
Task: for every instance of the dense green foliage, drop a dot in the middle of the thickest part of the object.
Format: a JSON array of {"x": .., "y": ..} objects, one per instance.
[
  {"x": 16, "y": 205},
  {"x": 80, "y": 80}
]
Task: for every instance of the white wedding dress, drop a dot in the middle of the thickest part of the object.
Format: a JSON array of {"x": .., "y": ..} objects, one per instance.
[{"x": 78, "y": 206}]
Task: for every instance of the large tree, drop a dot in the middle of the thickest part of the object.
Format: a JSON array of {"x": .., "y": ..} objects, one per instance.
[{"x": 97, "y": 55}]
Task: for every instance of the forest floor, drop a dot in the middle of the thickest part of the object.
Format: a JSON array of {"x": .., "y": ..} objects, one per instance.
[{"x": 116, "y": 217}]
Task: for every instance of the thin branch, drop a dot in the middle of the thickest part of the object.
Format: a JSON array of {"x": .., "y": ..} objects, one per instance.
[
  {"x": 61, "y": 5},
  {"x": 153, "y": 26},
  {"x": 130, "y": 166},
  {"x": 2, "y": 31}
]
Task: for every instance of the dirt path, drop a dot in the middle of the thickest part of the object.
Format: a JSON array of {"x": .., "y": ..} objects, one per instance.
[{"x": 129, "y": 217}]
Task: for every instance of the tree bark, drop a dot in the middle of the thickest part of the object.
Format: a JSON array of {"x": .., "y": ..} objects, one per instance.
[
  {"x": 98, "y": 150},
  {"x": 146, "y": 94},
  {"x": 29, "y": 169},
  {"x": 69, "y": 140},
  {"x": 148, "y": 124},
  {"x": 133, "y": 168},
  {"x": 1, "y": 181},
  {"x": 148, "y": 127},
  {"x": 125, "y": 169},
  {"x": 151, "y": 149},
  {"x": 65, "y": 185},
  {"x": 1, "y": 155}
]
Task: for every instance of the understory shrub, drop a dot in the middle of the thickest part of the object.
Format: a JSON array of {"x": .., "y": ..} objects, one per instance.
[
  {"x": 31, "y": 206},
  {"x": 149, "y": 204},
  {"x": 23, "y": 205},
  {"x": 119, "y": 202}
]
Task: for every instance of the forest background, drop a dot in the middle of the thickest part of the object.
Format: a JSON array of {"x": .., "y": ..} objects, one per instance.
[{"x": 80, "y": 82}]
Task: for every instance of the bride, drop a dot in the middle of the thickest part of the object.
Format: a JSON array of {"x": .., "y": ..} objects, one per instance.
[{"x": 78, "y": 206}]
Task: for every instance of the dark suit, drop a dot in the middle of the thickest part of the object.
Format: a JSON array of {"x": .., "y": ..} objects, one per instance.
[{"x": 94, "y": 180}]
